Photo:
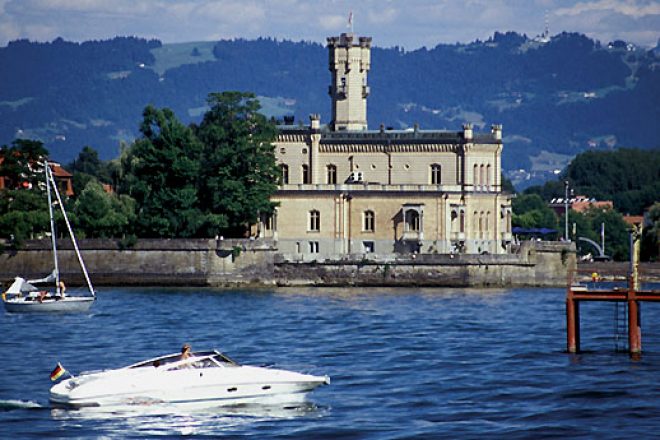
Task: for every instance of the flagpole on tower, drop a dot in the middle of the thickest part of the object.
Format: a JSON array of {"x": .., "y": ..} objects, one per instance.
[{"x": 350, "y": 21}]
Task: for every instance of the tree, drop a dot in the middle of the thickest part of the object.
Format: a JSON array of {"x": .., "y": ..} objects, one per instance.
[
  {"x": 239, "y": 172},
  {"x": 23, "y": 206},
  {"x": 102, "y": 215},
  {"x": 530, "y": 211},
  {"x": 86, "y": 167},
  {"x": 548, "y": 191},
  {"x": 22, "y": 164},
  {"x": 23, "y": 213},
  {"x": 588, "y": 225},
  {"x": 161, "y": 171},
  {"x": 627, "y": 176}
]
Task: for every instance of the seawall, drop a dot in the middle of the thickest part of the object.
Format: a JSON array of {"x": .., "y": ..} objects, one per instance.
[{"x": 203, "y": 262}]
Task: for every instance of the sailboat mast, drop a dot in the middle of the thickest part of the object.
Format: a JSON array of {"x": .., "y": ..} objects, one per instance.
[
  {"x": 73, "y": 237},
  {"x": 52, "y": 227}
]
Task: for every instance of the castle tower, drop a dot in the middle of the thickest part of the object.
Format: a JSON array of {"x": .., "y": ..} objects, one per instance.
[{"x": 349, "y": 63}]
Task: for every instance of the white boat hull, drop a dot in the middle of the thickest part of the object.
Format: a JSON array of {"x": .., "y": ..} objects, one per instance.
[
  {"x": 196, "y": 397},
  {"x": 65, "y": 305},
  {"x": 185, "y": 386}
]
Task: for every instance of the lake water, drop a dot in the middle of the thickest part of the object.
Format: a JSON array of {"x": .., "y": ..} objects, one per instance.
[{"x": 404, "y": 363}]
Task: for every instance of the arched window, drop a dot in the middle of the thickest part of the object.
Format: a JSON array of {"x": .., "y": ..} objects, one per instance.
[
  {"x": 369, "y": 221},
  {"x": 412, "y": 221},
  {"x": 314, "y": 221},
  {"x": 462, "y": 222},
  {"x": 305, "y": 174},
  {"x": 285, "y": 174},
  {"x": 475, "y": 176},
  {"x": 482, "y": 181},
  {"x": 332, "y": 174},
  {"x": 436, "y": 174}
]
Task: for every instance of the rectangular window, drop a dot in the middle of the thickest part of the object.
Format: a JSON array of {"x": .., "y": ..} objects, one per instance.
[
  {"x": 285, "y": 174},
  {"x": 368, "y": 247},
  {"x": 313, "y": 247},
  {"x": 435, "y": 174},
  {"x": 305, "y": 174},
  {"x": 369, "y": 221},
  {"x": 332, "y": 174},
  {"x": 314, "y": 221}
]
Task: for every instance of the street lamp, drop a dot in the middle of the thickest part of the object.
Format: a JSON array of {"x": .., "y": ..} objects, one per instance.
[{"x": 566, "y": 211}]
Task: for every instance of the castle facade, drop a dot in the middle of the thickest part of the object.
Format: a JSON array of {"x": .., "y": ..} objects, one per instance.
[{"x": 347, "y": 190}]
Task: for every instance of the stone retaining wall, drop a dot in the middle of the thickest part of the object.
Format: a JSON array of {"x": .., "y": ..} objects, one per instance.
[{"x": 203, "y": 262}]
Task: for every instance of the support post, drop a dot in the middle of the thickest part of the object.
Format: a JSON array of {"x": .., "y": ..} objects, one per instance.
[
  {"x": 634, "y": 328},
  {"x": 572, "y": 324}
]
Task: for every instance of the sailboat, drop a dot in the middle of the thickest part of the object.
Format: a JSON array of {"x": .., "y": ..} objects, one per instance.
[{"x": 24, "y": 296}]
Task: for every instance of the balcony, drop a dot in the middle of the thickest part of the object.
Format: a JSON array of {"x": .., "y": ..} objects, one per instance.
[{"x": 412, "y": 236}]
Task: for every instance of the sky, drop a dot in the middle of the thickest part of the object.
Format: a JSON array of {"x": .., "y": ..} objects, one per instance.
[{"x": 409, "y": 24}]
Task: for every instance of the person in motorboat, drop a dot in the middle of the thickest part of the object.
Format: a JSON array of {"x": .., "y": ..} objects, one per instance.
[
  {"x": 185, "y": 351},
  {"x": 185, "y": 354}
]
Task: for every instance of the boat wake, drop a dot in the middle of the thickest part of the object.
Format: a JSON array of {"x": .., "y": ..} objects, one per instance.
[{"x": 8, "y": 405}]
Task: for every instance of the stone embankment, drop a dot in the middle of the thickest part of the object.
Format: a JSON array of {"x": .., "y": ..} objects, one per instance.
[
  {"x": 617, "y": 271},
  {"x": 203, "y": 262}
]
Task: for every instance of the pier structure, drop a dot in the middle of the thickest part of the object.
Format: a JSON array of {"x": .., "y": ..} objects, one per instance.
[{"x": 602, "y": 288}]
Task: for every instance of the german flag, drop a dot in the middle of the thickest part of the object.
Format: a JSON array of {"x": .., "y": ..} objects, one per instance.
[{"x": 57, "y": 372}]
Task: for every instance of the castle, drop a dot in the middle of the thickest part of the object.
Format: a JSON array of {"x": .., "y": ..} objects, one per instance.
[{"x": 346, "y": 190}]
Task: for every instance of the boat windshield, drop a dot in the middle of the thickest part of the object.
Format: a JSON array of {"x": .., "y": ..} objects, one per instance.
[{"x": 202, "y": 359}]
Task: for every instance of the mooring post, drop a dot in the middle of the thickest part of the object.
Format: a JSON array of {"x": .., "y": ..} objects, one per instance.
[
  {"x": 634, "y": 320},
  {"x": 572, "y": 324}
]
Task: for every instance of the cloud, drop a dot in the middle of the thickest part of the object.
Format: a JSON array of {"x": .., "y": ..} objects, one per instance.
[
  {"x": 410, "y": 24},
  {"x": 633, "y": 8}
]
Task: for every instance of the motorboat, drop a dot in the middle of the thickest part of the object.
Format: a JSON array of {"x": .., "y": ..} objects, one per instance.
[
  {"x": 208, "y": 378},
  {"x": 24, "y": 295}
]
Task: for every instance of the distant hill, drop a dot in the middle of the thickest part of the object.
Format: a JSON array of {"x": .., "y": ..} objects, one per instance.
[{"x": 555, "y": 99}]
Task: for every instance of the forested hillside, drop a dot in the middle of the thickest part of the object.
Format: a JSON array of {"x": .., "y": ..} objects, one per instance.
[{"x": 555, "y": 99}]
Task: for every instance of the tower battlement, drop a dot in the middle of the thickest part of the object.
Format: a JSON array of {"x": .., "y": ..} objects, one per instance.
[{"x": 349, "y": 63}]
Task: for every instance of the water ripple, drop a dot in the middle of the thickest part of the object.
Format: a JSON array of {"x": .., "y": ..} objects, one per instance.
[{"x": 404, "y": 363}]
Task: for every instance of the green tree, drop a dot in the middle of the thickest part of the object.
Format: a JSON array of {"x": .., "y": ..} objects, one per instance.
[
  {"x": 616, "y": 232},
  {"x": 627, "y": 176},
  {"x": 86, "y": 167},
  {"x": 548, "y": 191},
  {"x": 530, "y": 211},
  {"x": 21, "y": 164},
  {"x": 161, "y": 172},
  {"x": 588, "y": 225},
  {"x": 239, "y": 172},
  {"x": 23, "y": 214},
  {"x": 23, "y": 205},
  {"x": 102, "y": 215}
]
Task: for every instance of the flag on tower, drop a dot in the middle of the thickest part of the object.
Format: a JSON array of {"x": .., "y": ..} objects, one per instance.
[{"x": 350, "y": 20}]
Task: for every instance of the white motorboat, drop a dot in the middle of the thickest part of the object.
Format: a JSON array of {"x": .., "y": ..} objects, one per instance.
[
  {"x": 207, "y": 378},
  {"x": 24, "y": 296}
]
